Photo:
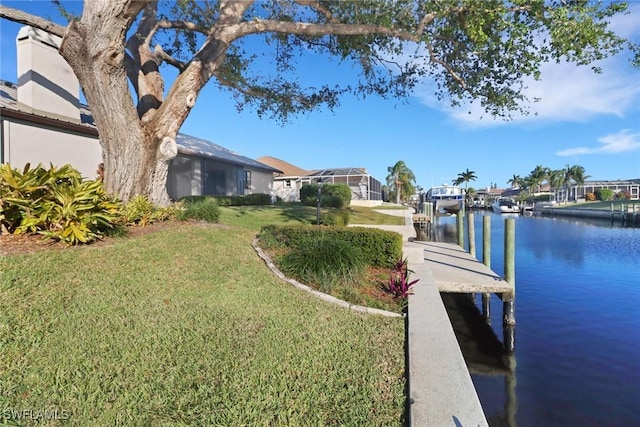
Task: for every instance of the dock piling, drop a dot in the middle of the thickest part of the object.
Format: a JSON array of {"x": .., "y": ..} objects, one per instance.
[
  {"x": 460, "y": 228},
  {"x": 472, "y": 234},
  {"x": 508, "y": 299}
]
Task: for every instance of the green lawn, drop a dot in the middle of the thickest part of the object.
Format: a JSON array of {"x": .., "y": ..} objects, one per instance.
[
  {"x": 187, "y": 326},
  {"x": 254, "y": 217}
]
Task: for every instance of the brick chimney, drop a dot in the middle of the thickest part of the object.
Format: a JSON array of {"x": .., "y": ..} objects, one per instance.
[{"x": 46, "y": 83}]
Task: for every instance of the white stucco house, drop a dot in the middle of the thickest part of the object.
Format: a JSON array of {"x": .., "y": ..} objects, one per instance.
[{"x": 43, "y": 121}]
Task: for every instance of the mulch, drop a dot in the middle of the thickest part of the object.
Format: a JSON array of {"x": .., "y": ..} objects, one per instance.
[{"x": 13, "y": 244}]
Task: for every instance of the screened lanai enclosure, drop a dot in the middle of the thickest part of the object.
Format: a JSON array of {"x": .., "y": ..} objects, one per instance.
[{"x": 363, "y": 186}]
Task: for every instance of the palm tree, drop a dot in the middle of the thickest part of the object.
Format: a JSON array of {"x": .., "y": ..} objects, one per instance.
[
  {"x": 515, "y": 181},
  {"x": 400, "y": 180},
  {"x": 573, "y": 174},
  {"x": 465, "y": 177},
  {"x": 556, "y": 180},
  {"x": 539, "y": 175}
]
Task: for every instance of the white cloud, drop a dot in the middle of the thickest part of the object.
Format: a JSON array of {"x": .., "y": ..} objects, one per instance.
[
  {"x": 567, "y": 92},
  {"x": 620, "y": 142}
]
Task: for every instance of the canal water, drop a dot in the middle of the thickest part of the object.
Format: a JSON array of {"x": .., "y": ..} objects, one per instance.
[{"x": 577, "y": 358}]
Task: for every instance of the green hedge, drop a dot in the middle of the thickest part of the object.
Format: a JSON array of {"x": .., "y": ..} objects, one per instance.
[
  {"x": 248, "y": 200},
  {"x": 379, "y": 248},
  {"x": 337, "y": 218}
]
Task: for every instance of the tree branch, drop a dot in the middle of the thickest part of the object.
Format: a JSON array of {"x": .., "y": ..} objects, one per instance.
[
  {"x": 169, "y": 59},
  {"x": 21, "y": 17},
  {"x": 312, "y": 29}
]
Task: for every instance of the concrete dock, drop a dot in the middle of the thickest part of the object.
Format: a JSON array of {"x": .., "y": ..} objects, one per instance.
[
  {"x": 441, "y": 392},
  {"x": 456, "y": 271}
]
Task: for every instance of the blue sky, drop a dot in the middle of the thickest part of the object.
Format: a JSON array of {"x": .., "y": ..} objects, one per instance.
[{"x": 588, "y": 119}]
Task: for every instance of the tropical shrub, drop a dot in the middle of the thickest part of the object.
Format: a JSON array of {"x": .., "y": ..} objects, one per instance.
[
  {"x": 379, "y": 248},
  {"x": 56, "y": 203},
  {"x": 141, "y": 211},
  {"x": 202, "y": 209},
  {"x": 399, "y": 284},
  {"x": 590, "y": 197},
  {"x": 604, "y": 194},
  {"x": 623, "y": 195},
  {"x": 323, "y": 261}
]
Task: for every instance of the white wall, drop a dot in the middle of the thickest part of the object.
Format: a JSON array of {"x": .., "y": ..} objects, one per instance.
[
  {"x": 261, "y": 182},
  {"x": 287, "y": 194},
  {"x": 28, "y": 143}
]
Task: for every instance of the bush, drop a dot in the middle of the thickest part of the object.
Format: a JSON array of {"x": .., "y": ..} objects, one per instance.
[
  {"x": 623, "y": 195},
  {"x": 202, "y": 209},
  {"x": 341, "y": 191},
  {"x": 332, "y": 202},
  {"x": 248, "y": 200},
  {"x": 323, "y": 261},
  {"x": 309, "y": 194},
  {"x": 330, "y": 193},
  {"x": 590, "y": 197},
  {"x": 56, "y": 203},
  {"x": 604, "y": 194},
  {"x": 337, "y": 218},
  {"x": 380, "y": 248}
]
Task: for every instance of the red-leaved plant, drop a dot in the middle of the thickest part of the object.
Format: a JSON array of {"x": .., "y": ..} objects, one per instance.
[{"x": 399, "y": 284}]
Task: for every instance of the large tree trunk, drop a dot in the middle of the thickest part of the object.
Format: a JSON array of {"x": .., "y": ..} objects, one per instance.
[{"x": 136, "y": 154}]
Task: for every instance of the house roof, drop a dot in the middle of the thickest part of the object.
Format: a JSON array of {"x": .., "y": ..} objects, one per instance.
[
  {"x": 339, "y": 172},
  {"x": 191, "y": 145},
  {"x": 287, "y": 169},
  {"x": 187, "y": 144}
]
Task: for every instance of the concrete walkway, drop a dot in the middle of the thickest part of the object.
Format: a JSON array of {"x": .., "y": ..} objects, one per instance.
[{"x": 441, "y": 392}]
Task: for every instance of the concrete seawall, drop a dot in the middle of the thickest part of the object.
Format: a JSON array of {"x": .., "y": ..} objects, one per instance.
[
  {"x": 630, "y": 218},
  {"x": 441, "y": 392}
]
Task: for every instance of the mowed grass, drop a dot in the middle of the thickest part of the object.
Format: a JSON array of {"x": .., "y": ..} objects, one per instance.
[
  {"x": 254, "y": 217},
  {"x": 187, "y": 326}
]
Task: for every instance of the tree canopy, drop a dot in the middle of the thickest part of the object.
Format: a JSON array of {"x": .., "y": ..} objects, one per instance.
[{"x": 471, "y": 49}]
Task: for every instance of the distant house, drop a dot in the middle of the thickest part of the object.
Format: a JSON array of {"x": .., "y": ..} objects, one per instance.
[
  {"x": 42, "y": 121},
  {"x": 365, "y": 189},
  {"x": 579, "y": 192},
  {"x": 287, "y": 182}
]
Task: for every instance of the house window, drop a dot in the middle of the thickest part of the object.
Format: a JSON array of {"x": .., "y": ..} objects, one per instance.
[
  {"x": 247, "y": 180},
  {"x": 287, "y": 183}
]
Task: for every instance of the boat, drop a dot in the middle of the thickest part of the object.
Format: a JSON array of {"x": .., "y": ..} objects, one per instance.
[
  {"x": 446, "y": 197},
  {"x": 505, "y": 205}
]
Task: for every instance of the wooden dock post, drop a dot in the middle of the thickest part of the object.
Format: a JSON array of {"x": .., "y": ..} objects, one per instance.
[
  {"x": 486, "y": 260},
  {"x": 508, "y": 299},
  {"x": 472, "y": 234},
  {"x": 460, "y": 228}
]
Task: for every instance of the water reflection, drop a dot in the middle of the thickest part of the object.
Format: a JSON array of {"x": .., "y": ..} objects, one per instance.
[
  {"x": 483, "y": 352},
  {"x": 577, "y": 294}
]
